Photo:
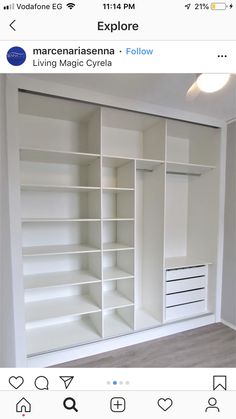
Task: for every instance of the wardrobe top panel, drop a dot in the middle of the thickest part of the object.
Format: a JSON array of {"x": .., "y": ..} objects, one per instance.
[
  {"x": 116, "y": 118},
  {"x": 53, "y": 107}
]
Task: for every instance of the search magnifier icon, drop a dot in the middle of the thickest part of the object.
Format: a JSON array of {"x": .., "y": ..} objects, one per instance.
[{"x": 70, "y": 404}]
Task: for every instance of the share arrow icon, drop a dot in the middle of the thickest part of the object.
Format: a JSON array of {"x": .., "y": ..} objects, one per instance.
[{"x": 67, "y": 380}]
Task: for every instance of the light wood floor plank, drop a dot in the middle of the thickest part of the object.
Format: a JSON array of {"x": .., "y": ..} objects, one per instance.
[{"x": 209, "y": 346}]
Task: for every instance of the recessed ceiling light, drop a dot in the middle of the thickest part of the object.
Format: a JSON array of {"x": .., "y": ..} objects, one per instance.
[{"x": 210, "y": 83}]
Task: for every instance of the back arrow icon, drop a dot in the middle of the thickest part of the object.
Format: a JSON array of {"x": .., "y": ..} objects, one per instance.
[{"x": 11, "y": 25}]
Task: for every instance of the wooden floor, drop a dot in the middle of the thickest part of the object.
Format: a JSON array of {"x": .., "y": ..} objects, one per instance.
[{"x": 208, "y": 346}]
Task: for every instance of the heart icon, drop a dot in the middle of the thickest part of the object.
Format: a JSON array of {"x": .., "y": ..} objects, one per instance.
[
  {"x": 16, "y": 382},
  {"x": 165, "y": 404}
]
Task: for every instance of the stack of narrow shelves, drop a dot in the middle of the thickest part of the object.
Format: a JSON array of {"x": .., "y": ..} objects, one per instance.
[{"x": 118, "y": 245}]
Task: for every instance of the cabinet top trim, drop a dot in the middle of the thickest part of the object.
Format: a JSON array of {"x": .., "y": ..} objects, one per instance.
[{"x": 114, "y": 107}]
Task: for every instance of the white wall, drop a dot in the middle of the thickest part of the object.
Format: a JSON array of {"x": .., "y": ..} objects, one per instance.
[
  {"x": 7, "y": 346},
  {"x": 229, "y": 267}
]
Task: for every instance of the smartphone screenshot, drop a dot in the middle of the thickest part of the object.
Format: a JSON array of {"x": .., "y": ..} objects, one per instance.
[{"x": 117, "y": 209}]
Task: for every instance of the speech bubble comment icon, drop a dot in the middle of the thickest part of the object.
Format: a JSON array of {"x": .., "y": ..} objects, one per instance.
[{"x": 41, "y": 383}]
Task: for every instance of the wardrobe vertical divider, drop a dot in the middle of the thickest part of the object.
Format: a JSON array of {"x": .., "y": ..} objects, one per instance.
[
  {"x": 95, "y": 131},
  {"x": 101, "y": 225},
  {"x": 150, "y": 192}
]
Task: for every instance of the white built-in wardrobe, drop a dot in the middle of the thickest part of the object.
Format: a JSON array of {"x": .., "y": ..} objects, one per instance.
[{"x": 119, "y": 223}]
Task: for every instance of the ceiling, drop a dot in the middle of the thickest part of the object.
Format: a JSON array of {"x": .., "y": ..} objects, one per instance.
[{"x": 168, "y": 90}]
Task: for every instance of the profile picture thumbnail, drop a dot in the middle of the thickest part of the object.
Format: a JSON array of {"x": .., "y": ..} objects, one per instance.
[{"x": 16, "y": 56}]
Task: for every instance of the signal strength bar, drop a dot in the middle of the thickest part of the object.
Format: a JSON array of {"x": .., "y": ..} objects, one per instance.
[{"x": 9, "y": 7}]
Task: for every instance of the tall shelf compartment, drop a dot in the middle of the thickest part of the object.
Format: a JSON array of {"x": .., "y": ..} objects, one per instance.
[
  {"x": 191, "y": 232},
  {"x": 61, "y": 222},
  {"x": 141, "y": 138},
  {"x": 119, "y": 214}
]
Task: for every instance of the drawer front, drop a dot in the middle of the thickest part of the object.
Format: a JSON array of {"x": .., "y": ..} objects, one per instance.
[
  {"x": 185, "y": 284},
  {"x": 186, "y": 272},
  {"x": 187, "y": 310},
  {"x": 185, "y": 297}
]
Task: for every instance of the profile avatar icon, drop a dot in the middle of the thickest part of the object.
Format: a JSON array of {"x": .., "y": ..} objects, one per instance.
[
  {"x": 212, "y": 405},
  {"x": 16, "y": 56}
]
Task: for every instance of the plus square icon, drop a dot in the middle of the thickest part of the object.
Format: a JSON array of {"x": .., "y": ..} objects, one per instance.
[{"x": 117, "y": 404}]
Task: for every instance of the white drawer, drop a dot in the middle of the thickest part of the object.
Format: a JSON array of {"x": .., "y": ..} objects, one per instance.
[
  {"x": 185, "y": 284},
  {"x": 187, "y": 310},
  {"x": 185, "y": 297},
  {"x": 186, "y": 272}
]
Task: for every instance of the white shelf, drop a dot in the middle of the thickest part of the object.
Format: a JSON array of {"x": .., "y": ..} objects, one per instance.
[
  {"x": 58, "y": 250},
  {"x": 59, "y": 279},
  {"x": 114, "y": 299},
  {"x": 187, "y": 168},
  {"x": 58, "y": 220},
  {"x": 64, "y": 188},
  {"x": 118, "y": 219},
  {"x": 116, "y": 246},
  {"x": 145, "y": 320},
  {"x": 147, "y": 164},
  {"x": 115, "y": 162},
  {"x": 114, "y": 272},
  {"x": 65, "y": 335},
  {"x": 116, "y": 190},
  {"x": 54, "y": 156},
  {"x": 184, "y": 261},
  {"x": 38, "y": 311},
  {"x": 114, "y": 325}
]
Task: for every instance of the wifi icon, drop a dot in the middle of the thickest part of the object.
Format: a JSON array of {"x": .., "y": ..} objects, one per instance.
[{"x": 70, "y": 5}]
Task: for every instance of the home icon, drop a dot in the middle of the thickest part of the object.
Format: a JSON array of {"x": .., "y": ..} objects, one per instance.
[{"x": 23, "y": 406}]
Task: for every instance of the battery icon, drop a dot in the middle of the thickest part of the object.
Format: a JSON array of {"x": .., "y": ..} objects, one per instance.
[{"x": 218, "y": 6}]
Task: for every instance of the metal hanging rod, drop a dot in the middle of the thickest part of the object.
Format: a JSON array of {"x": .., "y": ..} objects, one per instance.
[
  {"x": 172, "y": 172},
  {"x": 183, "y": 173},
  {"x": 145, "y": 170}
]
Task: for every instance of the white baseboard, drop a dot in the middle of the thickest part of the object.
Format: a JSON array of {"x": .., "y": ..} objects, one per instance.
[
  {"x": 231, "y": 325},
  {"x": 57, "y": 357}
]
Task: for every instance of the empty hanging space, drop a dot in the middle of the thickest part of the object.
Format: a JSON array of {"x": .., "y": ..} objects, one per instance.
[
  {"x": 119, "y": 321},
  {"x": 191, "y": 217},
  {"x": 191, "y": 194},
  {"x": 133, "y": 135},
  {"x": 149, "y": 235},
  {"x": 58, "y": 124},
  {"x": 191, "y": 148}
]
